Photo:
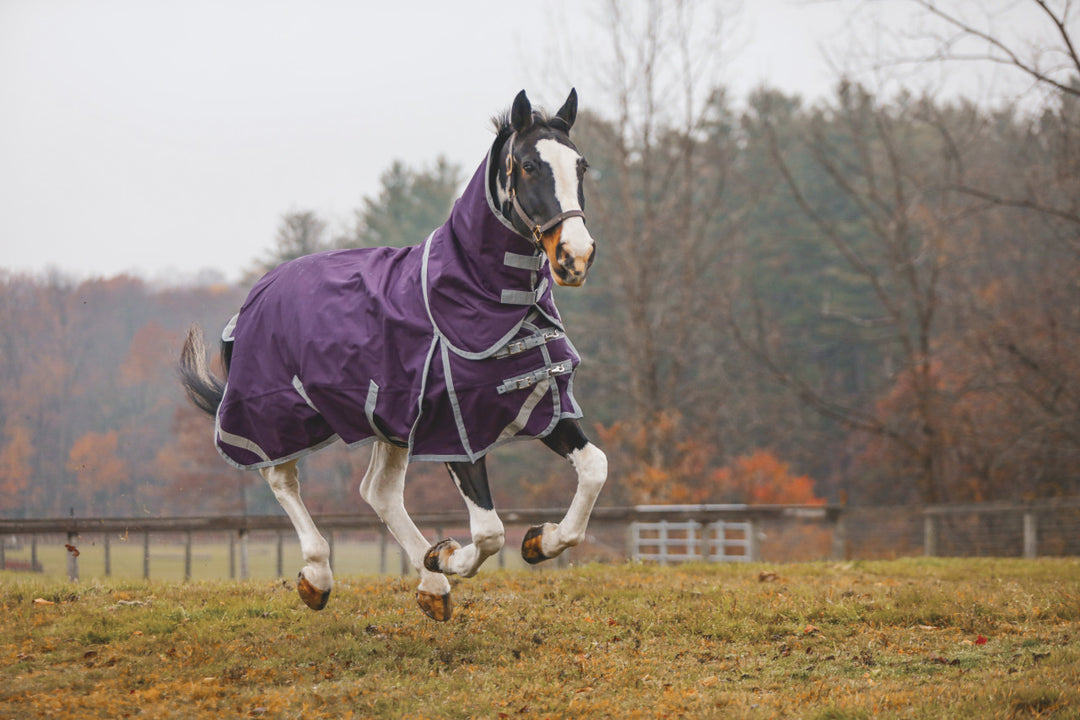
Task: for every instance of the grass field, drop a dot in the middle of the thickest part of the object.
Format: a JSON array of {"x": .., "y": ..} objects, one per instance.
[{"x": 910, "y": 638}]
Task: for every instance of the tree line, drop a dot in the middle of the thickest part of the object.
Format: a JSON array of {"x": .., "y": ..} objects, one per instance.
[{"x": 866, "y": 299}]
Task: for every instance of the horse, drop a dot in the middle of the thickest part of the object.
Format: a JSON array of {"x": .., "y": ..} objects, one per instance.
[{"x": 438, "y": 352}]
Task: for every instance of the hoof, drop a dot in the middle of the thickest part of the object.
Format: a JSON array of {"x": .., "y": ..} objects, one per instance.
[
  {"x": 438, "y": 555},
  {"x": 436, "y": 607},
  {"x": 313, "y": 597},
  {"x": 531, "y": 548}
]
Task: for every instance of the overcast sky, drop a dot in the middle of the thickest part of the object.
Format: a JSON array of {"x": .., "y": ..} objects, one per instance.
[{"x": 159, "y": 138}]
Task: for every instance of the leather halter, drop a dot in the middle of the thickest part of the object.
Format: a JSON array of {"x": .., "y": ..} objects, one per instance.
[{"x": 537, "y": 229}]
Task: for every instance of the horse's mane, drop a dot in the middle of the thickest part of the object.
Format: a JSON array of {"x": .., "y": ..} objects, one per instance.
[{"x": 503, "y": 128}]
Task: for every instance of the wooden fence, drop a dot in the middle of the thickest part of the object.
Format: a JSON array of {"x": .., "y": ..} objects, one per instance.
[
  {"x": 773, "y": 533},
  {"x": 605, "y": 521}
]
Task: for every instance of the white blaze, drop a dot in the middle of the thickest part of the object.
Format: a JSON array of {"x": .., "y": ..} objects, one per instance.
[{"x": 563, "y": 162}]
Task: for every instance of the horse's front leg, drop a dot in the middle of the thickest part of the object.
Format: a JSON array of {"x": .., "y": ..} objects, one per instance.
[
  {"x": 315, "y": 580},
  {"x": 383, "y": 487},
  {"x": 484, "y": 524},
  {"x": 546, "y": 541}
]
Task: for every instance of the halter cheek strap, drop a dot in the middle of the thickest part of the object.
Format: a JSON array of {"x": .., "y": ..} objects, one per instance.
[{"x": 537, "y": 229}]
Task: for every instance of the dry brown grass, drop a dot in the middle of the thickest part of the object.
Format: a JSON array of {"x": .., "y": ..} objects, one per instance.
[{"x": 911, "y": 638}]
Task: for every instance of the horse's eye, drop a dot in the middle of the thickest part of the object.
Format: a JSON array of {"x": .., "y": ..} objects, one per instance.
[{"x": 529, "y": 167}]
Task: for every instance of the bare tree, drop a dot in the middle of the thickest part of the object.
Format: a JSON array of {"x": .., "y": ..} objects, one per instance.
[{"x": 658, "y": 186}]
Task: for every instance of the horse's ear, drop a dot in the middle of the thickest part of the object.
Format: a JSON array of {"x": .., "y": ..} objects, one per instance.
[
  {"x": 521, "y": 113},
  {"x": 568, "y": 112}
]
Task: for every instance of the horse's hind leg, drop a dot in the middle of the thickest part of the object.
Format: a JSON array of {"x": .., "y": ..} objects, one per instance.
[
  {"x": 546, "y": 541},
  {"x": 383, "y": 487},
  {"x": 316, "y": 579},
  {"x": 484, "y": 524}
]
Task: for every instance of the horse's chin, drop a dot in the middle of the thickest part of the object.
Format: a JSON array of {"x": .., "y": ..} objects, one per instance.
[{"x": 573, "y": 282}]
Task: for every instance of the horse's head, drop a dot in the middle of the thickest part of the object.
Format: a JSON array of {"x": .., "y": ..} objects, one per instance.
[{"x": 539, "y": 187}]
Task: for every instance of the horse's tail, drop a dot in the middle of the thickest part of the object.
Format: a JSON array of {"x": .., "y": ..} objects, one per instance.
[{"x": 203, "y": 389}]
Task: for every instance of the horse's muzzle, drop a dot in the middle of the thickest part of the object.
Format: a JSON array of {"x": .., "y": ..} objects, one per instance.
[{"x": 568, "y": 268}]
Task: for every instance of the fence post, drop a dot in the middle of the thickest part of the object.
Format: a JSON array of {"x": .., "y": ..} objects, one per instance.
[
  {"x": 280, "y": 554},
  {"x": 146, "y": 555},
  {"x": 382, "y": 550},
  {"x": 232, "y": 556},
  {"x": 3, "y": 557},
  {"x": 755, "y": 542},
  {"x": 839, "y": 538},
  {"x": 33, "y": 553},
  {"x": 108, "y": 556},
  {"x": 243, "y": 554},
  {"x": 187, "y": 555},
  {"x": 930, "y": 534},
  {"x": 1031, "y": 535},
  {"x": 73, "y": 561},
  {"x": 663, "y": 542}
]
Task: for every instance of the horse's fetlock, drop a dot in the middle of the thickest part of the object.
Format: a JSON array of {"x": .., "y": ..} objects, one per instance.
[{"x": 490, "y": 543}]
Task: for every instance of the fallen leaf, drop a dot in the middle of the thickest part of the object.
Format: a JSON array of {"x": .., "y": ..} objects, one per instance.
[
  {"x": 43, "y": 601},
  {"x": 980, "y": 640},
  {"x": 767, "y": 576},
  {"x": 710, "y": 681},
  {"x": 72, "y": 549}
]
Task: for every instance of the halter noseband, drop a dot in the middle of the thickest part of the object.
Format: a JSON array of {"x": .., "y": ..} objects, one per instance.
[{"x": 538, "y": 229}]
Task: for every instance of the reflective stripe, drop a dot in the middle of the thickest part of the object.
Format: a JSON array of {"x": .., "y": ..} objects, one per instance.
[
  {"x": 370, "y": 403},
  {"x": 229, "y": 329},
  {"x": 529, "y": 379},
  {"x": 522, "y": 419},
  {"x": 243, "y": 443},
  {"x": 299, "y": 387}
]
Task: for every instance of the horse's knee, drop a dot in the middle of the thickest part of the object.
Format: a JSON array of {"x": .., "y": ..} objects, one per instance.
[{"x": 591, "y": 465}]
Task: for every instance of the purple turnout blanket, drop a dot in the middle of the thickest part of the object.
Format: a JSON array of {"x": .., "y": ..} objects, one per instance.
[{"x": 451, "y": 347}]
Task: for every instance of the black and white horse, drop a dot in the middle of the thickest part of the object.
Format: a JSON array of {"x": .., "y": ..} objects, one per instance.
[{"x": 482, "y": 283}]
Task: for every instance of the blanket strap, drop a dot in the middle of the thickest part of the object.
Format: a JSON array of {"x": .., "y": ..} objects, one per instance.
[
  {"x": 528, "y": 343},
  {"x": 524, "y": 297},
  {"x": 523, "y": 262},
  {"x": 529, "y": 379}
]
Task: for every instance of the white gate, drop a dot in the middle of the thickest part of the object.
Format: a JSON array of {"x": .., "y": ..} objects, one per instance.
[{"x": 671, "y": 542}]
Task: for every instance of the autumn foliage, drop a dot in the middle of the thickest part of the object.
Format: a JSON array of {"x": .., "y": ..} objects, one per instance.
[
  {"x": 763, "y": 479},
  {"x": 683, "y": 469}
]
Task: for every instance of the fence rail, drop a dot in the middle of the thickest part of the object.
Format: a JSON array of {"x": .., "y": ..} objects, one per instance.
[{"x": 691, "y": 532}]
